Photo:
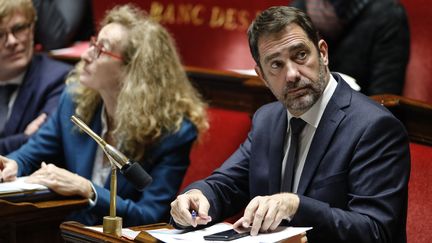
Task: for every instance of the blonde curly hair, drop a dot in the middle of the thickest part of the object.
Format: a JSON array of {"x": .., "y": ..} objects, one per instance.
[{"x": 155, "y": 95}]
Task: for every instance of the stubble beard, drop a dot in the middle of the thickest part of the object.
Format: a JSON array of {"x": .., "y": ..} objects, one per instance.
[{"x": 311, "y": 93}]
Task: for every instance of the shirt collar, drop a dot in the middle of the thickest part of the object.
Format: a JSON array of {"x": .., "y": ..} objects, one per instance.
[
  {"x": 16, "y": 80},
  {"x": 314, "y": 114}
]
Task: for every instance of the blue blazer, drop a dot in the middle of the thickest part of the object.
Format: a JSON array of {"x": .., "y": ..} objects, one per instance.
[
  {"x": 39, "y": 93},
  {"x": 62, "y": 143},
  {"x": 354, "y": 184}
]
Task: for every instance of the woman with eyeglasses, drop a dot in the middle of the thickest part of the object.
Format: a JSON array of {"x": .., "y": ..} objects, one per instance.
[{"x": 131, "y": 89}]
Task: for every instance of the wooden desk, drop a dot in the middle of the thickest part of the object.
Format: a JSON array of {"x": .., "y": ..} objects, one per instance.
[
  {"x": 35, "y": 222},
  {"x": 75, "y": 232},
  {"x": 415, "y": 115}
]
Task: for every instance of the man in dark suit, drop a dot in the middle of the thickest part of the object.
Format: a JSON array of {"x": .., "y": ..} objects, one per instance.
[
  {"x": 345, "y": 173},
  {"x": 30, "y": 85}
]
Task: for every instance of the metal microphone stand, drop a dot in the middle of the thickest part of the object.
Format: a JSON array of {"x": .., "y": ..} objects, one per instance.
[{"x": 112, "y": 224}]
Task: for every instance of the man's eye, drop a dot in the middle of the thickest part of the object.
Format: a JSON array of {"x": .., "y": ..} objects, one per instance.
[
  {"x": 18, "y": 28},
  {"x": 301, "y": 55},
  {"x": 275, "y": 65}
]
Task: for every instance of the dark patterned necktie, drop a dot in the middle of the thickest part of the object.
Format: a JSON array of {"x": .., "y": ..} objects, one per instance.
[
  {"x": 297, "y": 126},
  {"x": 5, "y": 94}
]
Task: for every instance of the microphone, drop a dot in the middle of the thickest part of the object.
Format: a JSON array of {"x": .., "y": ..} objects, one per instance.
[{"x": 133, "y": 171}]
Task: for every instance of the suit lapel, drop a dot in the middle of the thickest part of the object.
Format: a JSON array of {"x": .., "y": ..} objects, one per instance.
[
  {"x": 276, "y": 152},
  {"x": 24, "y": 96},
  {"x": 332, "y": 117}
]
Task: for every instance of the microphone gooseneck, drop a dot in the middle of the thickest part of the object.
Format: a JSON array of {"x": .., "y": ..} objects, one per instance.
[{"x": 134, "y": 172}]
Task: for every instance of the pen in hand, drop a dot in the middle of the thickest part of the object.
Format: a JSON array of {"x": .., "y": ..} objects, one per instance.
[
  {"x": 197, "y": 219},
  {"x": 193, "y": 214}
]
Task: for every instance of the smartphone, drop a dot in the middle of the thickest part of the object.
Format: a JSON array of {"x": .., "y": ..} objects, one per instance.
[{"x": 226, "y": 235}]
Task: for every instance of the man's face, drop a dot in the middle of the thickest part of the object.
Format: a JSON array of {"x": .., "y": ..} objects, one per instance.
[
  {"x": 17, "y": 49},
  {"x": 292, "y": 67}
]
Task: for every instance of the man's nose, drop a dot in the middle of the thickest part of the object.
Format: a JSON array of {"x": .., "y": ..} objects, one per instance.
[
  {"x": 11, "y": 39},
  {"x": 292, "y": 72}
]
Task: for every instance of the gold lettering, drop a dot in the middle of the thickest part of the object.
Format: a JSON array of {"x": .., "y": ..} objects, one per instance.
[
  {"x": 217, "y": 18},
  {"x": 156, "y": 10},
  {"x": 169, "y": 15},
  {"x": 183, "y": 15},
  {"x": 230, "y": 23},
  {"x": 196, "y": 20},
  {"x": 190, "y": 14}
]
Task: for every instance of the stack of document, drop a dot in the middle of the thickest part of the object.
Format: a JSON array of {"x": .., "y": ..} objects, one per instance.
[
  {"x": 19, "y": 188},
  {"x": 180, "y": 236}
]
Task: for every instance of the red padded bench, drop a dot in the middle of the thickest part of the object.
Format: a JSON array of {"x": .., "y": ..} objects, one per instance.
[
  {"x": 420, "y": 194},
  {"x": 228, "y": 129}
]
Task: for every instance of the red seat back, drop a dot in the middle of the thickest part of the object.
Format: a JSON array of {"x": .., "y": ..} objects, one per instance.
[
  {"x": 418, "y": 83},
  {"x": 420, "y": 195},
  {"x": 228, "y": 129}
]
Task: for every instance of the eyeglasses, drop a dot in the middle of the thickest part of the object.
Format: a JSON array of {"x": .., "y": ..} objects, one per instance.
[
  {"x": 19, "y": 31},
  {"x": 97, "y": 49}
]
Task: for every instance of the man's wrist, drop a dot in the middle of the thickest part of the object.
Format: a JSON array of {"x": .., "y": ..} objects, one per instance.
[{"x": 293, "y": 205}]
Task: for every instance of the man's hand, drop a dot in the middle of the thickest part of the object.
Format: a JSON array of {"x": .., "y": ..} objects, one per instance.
[
  {"x": 61, "y": 181},
  {"x": 265, "y": 213},
  {"x": 33, "y": 126},
  {"x": 182, "y": 207},
  {"x": 8, "y": 169}
]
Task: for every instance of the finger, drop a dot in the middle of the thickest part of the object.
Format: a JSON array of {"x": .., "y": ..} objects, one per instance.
[
  {"x": 270, "y": 217},
  {"x": 238, "y": 226},
  {"x": 259, "y": 217},
  {"x": 249, "y": 212},
  {"x": 39, "y": 180},
  {"x": 9, "y": 173},
  {"x": 36, "y": 123},
  {"x": 203, "y": 207},
  {"x": 32, "y": 179},
  {"x": 41, "y": 119},
  {"x": 277, "y": 220},
  {"x": 304, "y": 239}
]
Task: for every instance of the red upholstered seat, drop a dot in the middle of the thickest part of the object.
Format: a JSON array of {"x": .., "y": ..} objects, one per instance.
[
  {"x": 228, "y": 129},
  {"x": 418, "y": 83},
  {"x": 419, "y": 229}
]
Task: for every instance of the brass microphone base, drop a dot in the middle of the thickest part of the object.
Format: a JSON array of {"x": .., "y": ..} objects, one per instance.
[{"x": 112, "y": 225}]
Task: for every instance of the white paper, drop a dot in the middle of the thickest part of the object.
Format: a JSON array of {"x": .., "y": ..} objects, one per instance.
[
  {"x": 19, "y": 186},
  {"x": 178, "y": 236}
]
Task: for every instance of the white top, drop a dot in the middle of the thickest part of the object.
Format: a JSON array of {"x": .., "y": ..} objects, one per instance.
[{"x": 101, "y": 169}]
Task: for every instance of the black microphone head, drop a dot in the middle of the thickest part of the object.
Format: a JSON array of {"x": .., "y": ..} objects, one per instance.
[{"x": 136, "y": 174}]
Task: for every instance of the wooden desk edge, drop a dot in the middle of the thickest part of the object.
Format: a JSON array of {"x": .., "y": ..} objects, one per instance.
[{"x": 73, "y": 230}]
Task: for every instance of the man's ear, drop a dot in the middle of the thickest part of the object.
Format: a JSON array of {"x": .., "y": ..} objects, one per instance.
[
  {"x": 260, "y": 73},
  {"x": 323, "y": 49}
]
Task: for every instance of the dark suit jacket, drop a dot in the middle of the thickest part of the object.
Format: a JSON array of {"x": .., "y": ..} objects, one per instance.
[
  {"x": 353, "y": 187},
  {"x": 39, "y": 93},
  {"x": 60, "y": 142}
]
